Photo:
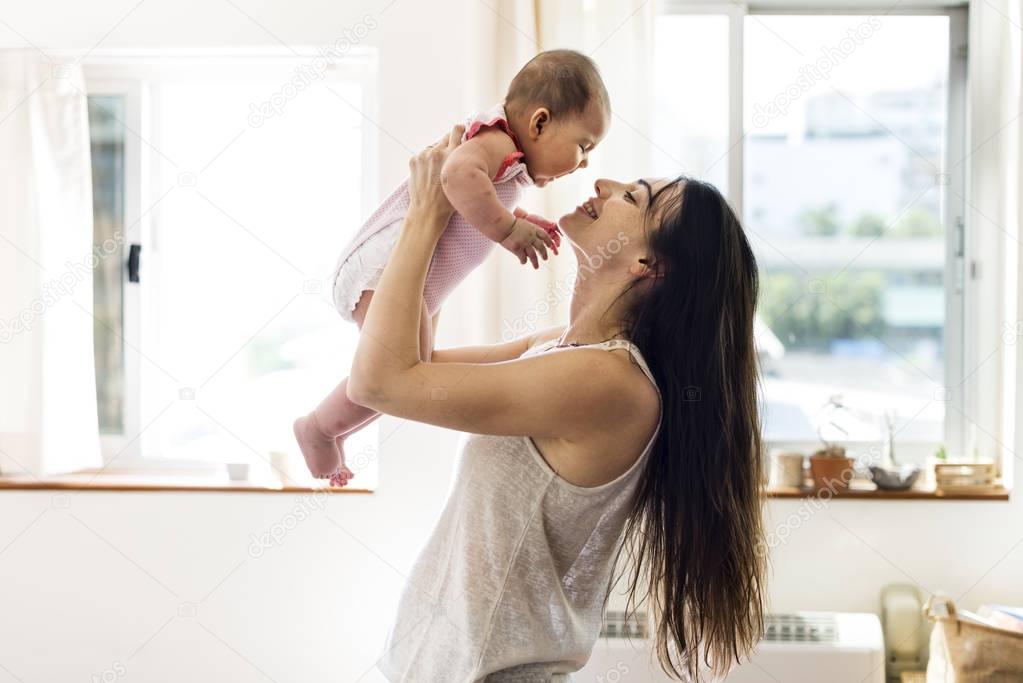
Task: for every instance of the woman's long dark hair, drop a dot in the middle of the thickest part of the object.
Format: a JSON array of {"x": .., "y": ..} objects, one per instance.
[{"x": 695, "y": 532}]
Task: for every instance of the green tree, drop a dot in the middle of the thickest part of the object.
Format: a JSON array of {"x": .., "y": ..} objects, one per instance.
[
  {"x": 821, "y": 221},
  {"x": 850, "y": 308},
  {"x": 917, "y": 223},
  {"x": 869, "y": 225}
]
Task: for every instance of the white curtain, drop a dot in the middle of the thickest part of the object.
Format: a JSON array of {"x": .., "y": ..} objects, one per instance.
[
  {"x": 996, "y": 205},
  {"x": 1012, "y": 415},
  {"x": 48, "y": 418},
  {"x": 509, "y": 299},
  {"x": 993, "y": 213}
]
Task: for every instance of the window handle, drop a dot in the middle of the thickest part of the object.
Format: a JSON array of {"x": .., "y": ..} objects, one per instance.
[{"x": 134, "y": 257}]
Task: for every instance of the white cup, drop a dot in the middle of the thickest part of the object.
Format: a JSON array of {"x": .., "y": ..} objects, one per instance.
[
  {"x": 238, "y": 471},
  {"x": 787, "y": 469},
  {"x": 288, "y": 467}
]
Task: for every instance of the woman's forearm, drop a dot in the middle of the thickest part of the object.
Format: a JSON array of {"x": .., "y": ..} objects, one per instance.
[{"x": 389, "y": 340}]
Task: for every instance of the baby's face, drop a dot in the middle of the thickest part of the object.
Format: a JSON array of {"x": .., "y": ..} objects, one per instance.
[{"x": 555, "y": 148}]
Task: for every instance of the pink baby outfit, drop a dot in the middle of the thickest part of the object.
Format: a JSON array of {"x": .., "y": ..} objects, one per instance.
[{"x": 461, "y": 247}]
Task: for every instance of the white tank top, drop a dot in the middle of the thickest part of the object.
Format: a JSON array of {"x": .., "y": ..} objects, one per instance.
[{"x": 510, "y": 584}]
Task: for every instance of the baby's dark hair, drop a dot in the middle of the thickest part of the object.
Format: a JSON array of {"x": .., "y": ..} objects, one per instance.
[{"x": 563, "y": 81}]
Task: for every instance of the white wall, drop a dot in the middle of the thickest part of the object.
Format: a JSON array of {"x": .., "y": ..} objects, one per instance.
[{"x": 91, "y": 582}]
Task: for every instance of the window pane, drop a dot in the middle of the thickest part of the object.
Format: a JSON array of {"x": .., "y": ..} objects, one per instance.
[
  {"x": 843, "y": 201},
  {"x": 257, "y": 212},
  {"x": 690, "y": 108},
  {"x": 106, "y": 133}
]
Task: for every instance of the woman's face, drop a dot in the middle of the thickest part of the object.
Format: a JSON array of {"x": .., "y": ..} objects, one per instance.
[{"x": 613, "y": 221}]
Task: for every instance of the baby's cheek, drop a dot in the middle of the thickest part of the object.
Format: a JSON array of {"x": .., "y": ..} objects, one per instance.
[{"x": 568, "y": 161}]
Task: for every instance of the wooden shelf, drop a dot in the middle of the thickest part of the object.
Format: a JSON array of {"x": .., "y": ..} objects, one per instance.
[
  {"x": 88, "y": 481},
  {"x": 160, "y": 482},
  {"x": 862, "y": 493}
]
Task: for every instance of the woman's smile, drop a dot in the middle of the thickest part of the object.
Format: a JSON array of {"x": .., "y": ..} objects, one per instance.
[{"x": 589, "y": 208}]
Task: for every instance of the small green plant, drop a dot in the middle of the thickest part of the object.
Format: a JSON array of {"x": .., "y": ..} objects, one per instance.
[{"x": 941, "y": 453}]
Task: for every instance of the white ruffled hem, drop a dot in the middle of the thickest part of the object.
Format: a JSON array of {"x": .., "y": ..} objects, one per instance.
[{"x": 361, "y": 271}]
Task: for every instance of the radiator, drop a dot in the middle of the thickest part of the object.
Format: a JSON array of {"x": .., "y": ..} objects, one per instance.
[{"x": 804, "y": 647}]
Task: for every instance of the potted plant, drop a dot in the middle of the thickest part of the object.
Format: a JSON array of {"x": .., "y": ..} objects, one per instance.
[
  {"x": 830, "y": 467},
  {"x": 888, "y": 475}
]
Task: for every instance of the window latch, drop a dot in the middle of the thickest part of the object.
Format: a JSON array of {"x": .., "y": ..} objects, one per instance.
[{"x": 134, "y": 257}]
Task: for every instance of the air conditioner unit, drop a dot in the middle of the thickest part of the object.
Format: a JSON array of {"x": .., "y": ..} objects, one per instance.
[{"x": 804, "y": 647}]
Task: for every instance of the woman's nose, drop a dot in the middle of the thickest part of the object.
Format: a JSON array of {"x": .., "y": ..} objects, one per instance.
[{"x": 600, "y": 185}]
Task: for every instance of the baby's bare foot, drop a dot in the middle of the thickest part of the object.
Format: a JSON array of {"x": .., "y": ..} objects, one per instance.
[
  {"x": 342, "y": 475},
  {"x": 320, "y": 450}
]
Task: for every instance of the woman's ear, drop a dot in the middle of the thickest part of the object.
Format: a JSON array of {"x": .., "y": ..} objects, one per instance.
[
  {"x": 538, "y": 122},
  {"x": 644, "y": 268}
]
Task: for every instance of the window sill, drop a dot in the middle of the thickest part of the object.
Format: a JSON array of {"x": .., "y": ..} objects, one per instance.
[
  {"x": 103, "y": 481},
  {"x": 869, "y": 492}
]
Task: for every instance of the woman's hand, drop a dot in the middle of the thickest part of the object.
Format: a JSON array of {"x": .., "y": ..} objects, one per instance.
[{"x": 426, "y": 194}]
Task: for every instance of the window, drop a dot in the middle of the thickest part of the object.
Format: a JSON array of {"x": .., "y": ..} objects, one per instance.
[
  {"x": 693, "y": 139},
  {"x": 106, "y": 112},
  {"x": 848, "y": 185},
  {"x": 245, "y": 188}
]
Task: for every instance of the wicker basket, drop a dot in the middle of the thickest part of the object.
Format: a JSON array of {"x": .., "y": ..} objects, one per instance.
[
  {"x": 965, "y": 477},
  {"x": 963, "y": 651}
]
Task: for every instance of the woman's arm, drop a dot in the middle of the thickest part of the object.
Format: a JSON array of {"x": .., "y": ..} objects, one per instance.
[
  {"x": 560, "y": 394},
  {"x": 495, "y": 353},
  {"x": 564, "y": 394}
]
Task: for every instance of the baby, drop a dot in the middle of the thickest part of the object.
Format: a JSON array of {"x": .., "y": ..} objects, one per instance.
[{"x": 555, "y": 112}]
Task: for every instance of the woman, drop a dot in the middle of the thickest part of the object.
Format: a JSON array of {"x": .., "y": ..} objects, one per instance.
[{"x": 634, "y": 428}]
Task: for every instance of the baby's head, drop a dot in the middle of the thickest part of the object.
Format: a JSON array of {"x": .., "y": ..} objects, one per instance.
[{"x": 559, "y": 109}]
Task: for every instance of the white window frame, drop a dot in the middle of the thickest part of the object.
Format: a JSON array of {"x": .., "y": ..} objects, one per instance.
[
  {"x": 958, "y": 354},
  {"x": 138, "y": 75},
  {"x": 113, "y": 443}
]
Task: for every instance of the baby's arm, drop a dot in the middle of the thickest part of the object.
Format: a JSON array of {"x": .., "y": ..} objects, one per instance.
[{"x": 467, "y": 177}]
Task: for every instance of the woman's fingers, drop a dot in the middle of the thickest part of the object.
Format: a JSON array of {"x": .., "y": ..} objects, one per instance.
[
  {"x": 425, "y": 168},
  {"x": 442, "y": 147},
  {"x": 455, "y": 136}
]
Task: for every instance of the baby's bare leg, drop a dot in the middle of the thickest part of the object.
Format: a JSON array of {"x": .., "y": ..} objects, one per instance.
[
  {"x": 341, "y": 477},
  {"x": 322, "y": 433}
]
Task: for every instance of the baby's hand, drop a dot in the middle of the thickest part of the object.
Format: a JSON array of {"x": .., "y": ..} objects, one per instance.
[
  {"x": 526, "y": 239},
  {"x": 550, "y": 226}
]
